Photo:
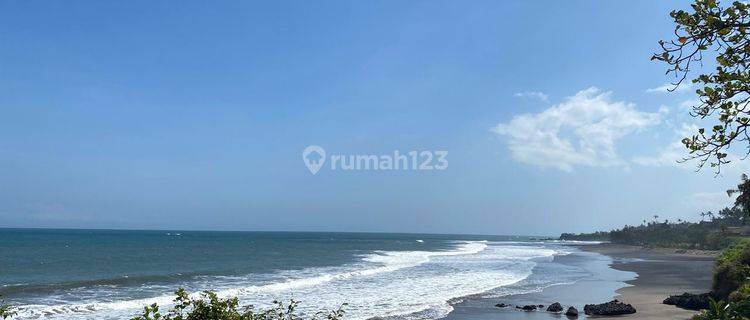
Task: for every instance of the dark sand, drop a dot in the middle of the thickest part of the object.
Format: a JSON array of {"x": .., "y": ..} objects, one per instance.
[
  {"x": 631, "y": 274},
  {"x": 660, "y": 273}
]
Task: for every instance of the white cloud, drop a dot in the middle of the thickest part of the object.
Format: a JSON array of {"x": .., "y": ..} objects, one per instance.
[
  {"x": 673, "y": 152},
  {"x": 688, "y": 105},
  {"x": 707, "y": 201},
  {"x": 532, "y": 94},
  {"x": 665, "y": 88},
  {"x": 581, "y": 131},
  {"x": 669, "y": 156}
]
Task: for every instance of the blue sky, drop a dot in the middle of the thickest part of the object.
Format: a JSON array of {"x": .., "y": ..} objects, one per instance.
[{"x": 148, "y": 114}]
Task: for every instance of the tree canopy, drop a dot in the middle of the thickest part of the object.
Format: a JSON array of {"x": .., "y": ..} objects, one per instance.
[
  {"x": 742, "y": 202},
  {"x": 719, "y": 32}
]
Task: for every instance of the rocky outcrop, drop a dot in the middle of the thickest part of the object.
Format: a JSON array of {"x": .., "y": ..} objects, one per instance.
[
  {"x": 572, "y": 312},
  {"x": 689, "y": 301},
  {"x": 555, "y": 307},
  {"x": 611, "y": 308}
]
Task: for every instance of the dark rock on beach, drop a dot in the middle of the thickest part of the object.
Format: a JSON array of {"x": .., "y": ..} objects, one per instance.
[
  {"x": 689, "y": 301},
  {"x": 502, "y": 305},
  {"x": 572, "y": 312},
  {"x": 555, "y": 307},
  {"x": 528, "y": 307},
  {"x": 612, "y": 308}
]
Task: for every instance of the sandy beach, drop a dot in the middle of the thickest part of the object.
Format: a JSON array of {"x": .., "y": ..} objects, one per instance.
[
  {"x": 641, "y": 277},
  {"x": 661, "y": 272}
]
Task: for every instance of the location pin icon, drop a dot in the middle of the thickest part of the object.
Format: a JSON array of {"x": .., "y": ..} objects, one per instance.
[{"x": 314, "y": 157}]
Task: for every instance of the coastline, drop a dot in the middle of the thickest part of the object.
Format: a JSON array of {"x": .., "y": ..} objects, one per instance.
[
  {"x": 634, "y": 275},
  {"x": 661, "y": 272},
  {"x": 578, "y": 274}
]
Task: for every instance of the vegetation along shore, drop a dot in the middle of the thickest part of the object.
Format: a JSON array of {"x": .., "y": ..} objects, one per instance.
[{"x": 723, "y": 234}]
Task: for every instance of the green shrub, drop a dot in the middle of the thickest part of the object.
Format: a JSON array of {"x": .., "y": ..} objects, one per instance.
[
  {"x": 6, "y": 310},
  {"x": 719, "y": 240},
  {"x": 741, "y": 294},
  {"x": 720, "y": 310},
  {"x": 210, "y": 307},
  {"x": 732, "y": 271}
]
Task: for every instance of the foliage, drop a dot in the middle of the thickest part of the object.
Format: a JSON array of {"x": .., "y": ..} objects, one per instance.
[
  {"x": 732, "y": 272},
  {"x": 210, "y": 306},
  {"x": 742, "y": 293},
  {"x": 724, "y": 94},
  {"x": 720, "y": 310},
  {"x": 704, "y": 235},
  {"x": 6, "y": 311},
  {"x": 712, "y": 234},
  {"x": 731, "y": 283},
  {"x": 708, "y": 235},
  {"x": 596, "y": 236},
  {"x": 742, "y": 203}
]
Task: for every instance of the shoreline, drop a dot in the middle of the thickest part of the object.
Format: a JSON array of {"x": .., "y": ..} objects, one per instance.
[
  {"x": 594, "y": 282},
  {"x": 581, "y": 274},
  {"x": 638, "y": 276},
  {"x": 661, "y": 272}
]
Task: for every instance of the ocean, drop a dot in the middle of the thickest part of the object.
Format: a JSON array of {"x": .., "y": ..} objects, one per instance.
[{"x": 110, "y": 274}]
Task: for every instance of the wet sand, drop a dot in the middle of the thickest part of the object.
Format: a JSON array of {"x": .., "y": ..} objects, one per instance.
[
  {"x": 633, "y": 275},
  {"x": 661, "y": 272}
]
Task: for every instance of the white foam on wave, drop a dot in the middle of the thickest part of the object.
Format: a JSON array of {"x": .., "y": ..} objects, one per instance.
[
  {"x": 389, "y": 260},
  {"x": 385, "y": 283}
]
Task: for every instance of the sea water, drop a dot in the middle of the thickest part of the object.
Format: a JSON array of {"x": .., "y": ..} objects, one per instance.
[{"x": 108, "y": 274}]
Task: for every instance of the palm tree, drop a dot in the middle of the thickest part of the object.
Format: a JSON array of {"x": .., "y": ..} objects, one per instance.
[{"x": 742, "y": 202}]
